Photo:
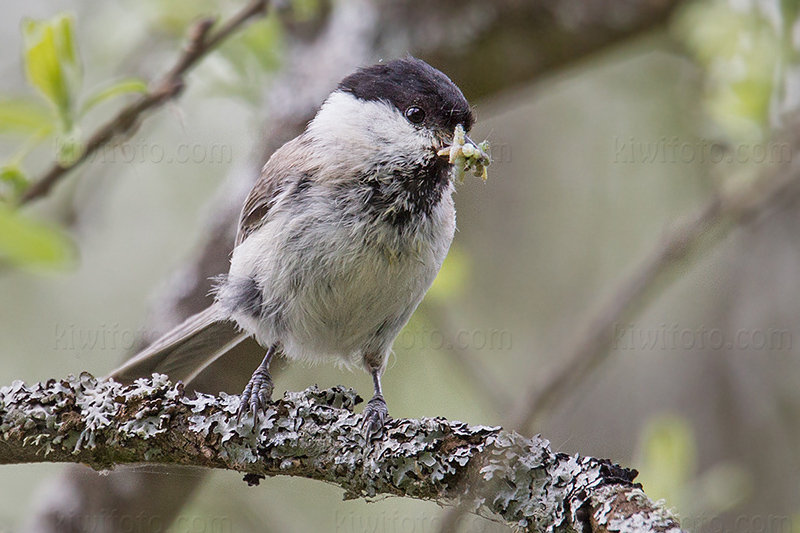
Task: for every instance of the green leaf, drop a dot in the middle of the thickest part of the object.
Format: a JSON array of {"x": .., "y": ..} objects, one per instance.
[
  {"x": 52, "y": 64},
  {"x": 14, "y": 180},
  {"x": 744, "y": 58},
  {"x": 22, "y": 117},
  {"x": 118, "y": 88},
  {"x": 31, "y": 243},
  {"x": 70, "y": 148}
]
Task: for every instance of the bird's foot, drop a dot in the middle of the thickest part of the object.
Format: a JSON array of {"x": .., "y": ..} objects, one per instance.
[
  {"x": 375, "y": 415},
  {"x": 256, "y": 395}
]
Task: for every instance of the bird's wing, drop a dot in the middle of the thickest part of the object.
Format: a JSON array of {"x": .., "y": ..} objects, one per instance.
[{"x": 287, "y": 165}]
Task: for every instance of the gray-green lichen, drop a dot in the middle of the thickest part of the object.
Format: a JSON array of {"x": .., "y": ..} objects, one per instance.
[{"x": 315, "y": 434}]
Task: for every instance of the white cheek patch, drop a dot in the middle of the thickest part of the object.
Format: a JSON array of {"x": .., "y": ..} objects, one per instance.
[{"x": 366, "y": 132}]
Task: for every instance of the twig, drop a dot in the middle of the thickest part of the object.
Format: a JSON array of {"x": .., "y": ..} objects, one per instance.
[
  {"x": 200, "y": 43},
  {"x": 314, "y": 434}
]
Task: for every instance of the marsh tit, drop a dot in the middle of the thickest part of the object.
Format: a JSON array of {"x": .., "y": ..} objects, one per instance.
[{"x": 340, "y": 238}]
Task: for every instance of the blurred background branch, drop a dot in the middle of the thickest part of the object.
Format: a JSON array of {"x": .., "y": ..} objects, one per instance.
[{"x": 675, "y": 253}]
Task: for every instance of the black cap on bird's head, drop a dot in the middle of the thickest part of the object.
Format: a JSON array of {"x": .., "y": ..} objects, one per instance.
[{"x": 424, "y": 95}]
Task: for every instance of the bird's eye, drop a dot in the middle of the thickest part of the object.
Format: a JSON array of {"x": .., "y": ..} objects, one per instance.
[{"x": 415, "y": 115}]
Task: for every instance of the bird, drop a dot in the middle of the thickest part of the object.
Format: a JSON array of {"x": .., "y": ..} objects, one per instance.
[{"x": 340, "y": 238}]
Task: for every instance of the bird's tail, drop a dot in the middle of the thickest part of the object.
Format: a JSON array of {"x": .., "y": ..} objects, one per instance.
[{"x": 186, "y": 350}]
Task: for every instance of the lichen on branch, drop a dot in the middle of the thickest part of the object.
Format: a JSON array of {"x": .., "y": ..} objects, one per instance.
[{"x": 315, "y": 434}]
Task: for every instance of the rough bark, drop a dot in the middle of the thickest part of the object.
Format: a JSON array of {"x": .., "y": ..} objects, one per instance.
[{"x": 315, "y": 434}]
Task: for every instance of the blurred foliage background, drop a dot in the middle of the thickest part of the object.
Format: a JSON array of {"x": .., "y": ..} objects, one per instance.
[{"x": 591, "y": 166}]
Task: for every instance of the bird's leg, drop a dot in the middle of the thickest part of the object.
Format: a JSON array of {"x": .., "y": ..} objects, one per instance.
[
  {"x": 376, "y": 412},
  {"x": 258, "y": 392}
]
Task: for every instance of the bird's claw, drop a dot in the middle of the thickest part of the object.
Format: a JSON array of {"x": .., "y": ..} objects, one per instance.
[
  {"x": 256, "y": 395},
  {"x": 375, "y": 415}
]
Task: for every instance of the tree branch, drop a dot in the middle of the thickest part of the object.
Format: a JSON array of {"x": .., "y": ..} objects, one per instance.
[
  {"x": 200, "y": 42},
  {"x": 314, "y": 434}
]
